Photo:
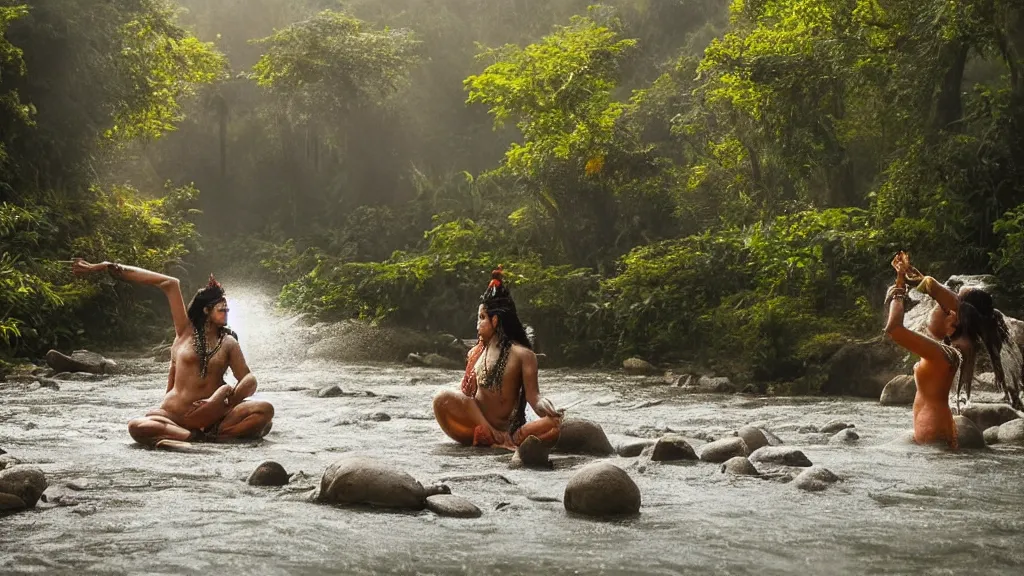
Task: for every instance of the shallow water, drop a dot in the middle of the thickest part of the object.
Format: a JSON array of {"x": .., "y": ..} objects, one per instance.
[{"x": 899, "y": 509}]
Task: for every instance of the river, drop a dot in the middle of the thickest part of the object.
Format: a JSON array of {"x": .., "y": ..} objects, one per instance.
[{"x": 899, "y": 509}]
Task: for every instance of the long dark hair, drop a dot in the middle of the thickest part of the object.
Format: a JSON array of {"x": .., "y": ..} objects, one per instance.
[
  {"x": 979, "y": 320},
  {"x": 497, "y": 301},
  {"x": 205, "y": 297}
]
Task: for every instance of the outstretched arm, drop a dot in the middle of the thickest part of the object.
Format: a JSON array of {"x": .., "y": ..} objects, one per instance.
[
  {"x": 542, "y": 406},
  {"x": 168, "y": 284}
]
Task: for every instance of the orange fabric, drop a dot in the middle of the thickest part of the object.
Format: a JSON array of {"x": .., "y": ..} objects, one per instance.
[
  {"x": 482, "y": 436},
  {"x": 469, "y": 378}
]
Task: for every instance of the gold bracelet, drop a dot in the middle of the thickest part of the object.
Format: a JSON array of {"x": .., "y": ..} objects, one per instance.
[{"x": 925, "y": 286}]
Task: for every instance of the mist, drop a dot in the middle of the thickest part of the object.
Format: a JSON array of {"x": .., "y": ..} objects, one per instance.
[{"x": 677, "y": 179}]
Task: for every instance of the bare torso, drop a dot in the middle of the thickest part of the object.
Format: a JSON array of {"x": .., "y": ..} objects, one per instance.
[
  {"x": 499, "y": 404},
  {"x": 185, "y": 386},
  {"x": 933, "y": 420}
]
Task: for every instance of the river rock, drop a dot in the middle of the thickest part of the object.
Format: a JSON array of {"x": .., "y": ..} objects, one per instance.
[
  {"x": 11, "y": 503},
  {"x": 330, "y": 392},
  {"x": 6, "y": 461},
  {"x": 452, "y": 506},
  {"x": 715, "y": 385},
  {"x": 672, "y": 447},
  {"x": 986, "y": 416},
  {"x": 773, "y": 440},
  {"x": 601, "y": 489},
  {"x": 858, "y": 369},
  {"x": 268, "y": 473},
  {"x": 579, "y": 436},
  {"x": 24, "y": 483},
  {"x": 356, "y": 480},
  {"x": 815, "y": 479},
  {"x": 721, "y": 450},
  {"x": 844, "y": 436},
  {"x": 634, "y": 448},
  {"x": 638, "y": 366},
  {"x": 432, "y": 360},
  {"x": 740, "y": 466},
  {"x": 991, "y": 435},
  {"x": 355, "y": 341},
  {"x": 532, "y": 453},
  {"x": 753, "y": 437},
  {"x": 968, "y": 436},
  {"x": 161, "y": 352},
  {"x": 781, "y": 456},
  {"x": 80, "y": 361},
  {"x": 834, "y": 426},
  {"x": 1012, "y": 432},
  {"x": 900, "y": 391}
]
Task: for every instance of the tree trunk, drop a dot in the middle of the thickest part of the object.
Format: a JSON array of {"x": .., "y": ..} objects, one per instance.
[{"x": 948, "y": 108}]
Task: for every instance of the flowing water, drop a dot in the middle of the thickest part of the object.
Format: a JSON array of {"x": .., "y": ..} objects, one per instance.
[{"x": 899, "y": 509}]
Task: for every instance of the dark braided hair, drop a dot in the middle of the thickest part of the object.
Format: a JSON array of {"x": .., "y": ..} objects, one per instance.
[
  {"x": 497, "y": 301},
  {"x": 205, "y": 297},
  {"x": 979, "y": 320}
]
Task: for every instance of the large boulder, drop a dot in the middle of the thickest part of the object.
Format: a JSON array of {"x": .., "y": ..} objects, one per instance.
[
  {"x": 353, "y": 341},
  {"x": 859, "y": 369},
  {"x": 900, "y": 391},
  {"x": 357, "y": 480},
  {"x": 601, "y": 489},
  {"x": 986, "y": 416},
  {"x": 579, "y": 436},
  {"x": 21, "y": 487},
  {"x": 80, "y": 361},
  {"x": 968, "y": 436},
  {"x": 1012, "y": 432},
  {"x": 638, "y": 366}
]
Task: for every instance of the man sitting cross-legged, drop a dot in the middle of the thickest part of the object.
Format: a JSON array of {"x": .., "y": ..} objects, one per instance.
[
  {"x": 500, "y": 379},
  {"x": 197, "y": 405}
]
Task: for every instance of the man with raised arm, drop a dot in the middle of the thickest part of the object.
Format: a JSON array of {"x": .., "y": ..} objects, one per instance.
[{"x": 198, "y": 404}]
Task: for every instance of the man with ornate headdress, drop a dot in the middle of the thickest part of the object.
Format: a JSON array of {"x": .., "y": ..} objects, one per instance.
[
  {"x": 500, "y": 379},
  {"x": 198, "y": 404}
]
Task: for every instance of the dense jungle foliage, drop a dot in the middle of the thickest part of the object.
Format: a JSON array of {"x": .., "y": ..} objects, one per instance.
[{"x": 691, "y": 181}]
